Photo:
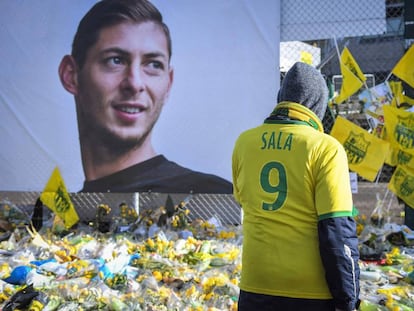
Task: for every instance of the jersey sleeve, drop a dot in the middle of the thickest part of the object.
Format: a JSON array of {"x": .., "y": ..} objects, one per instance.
[{"x": 333, "y": 196}]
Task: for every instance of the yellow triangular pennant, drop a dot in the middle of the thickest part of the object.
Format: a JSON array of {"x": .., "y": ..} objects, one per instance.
[{"x": 57, "y": 199}]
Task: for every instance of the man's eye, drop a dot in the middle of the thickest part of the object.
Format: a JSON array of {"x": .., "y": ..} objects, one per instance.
[
  {"x": 114, "y": 61},
  {"x": 156, "y": 65}
]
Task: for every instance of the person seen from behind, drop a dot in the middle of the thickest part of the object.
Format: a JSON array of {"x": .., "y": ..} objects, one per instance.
[{"x": 300, "y": 247}]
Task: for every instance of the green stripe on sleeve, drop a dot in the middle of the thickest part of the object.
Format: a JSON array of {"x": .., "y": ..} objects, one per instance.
[{"x": 335, "y": 214}]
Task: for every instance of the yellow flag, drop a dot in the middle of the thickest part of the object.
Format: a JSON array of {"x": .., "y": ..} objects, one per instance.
[
  {"x": 402, "y": 184},
  {"x": 397, "y": 93},
  {"x": 56, "y": 198},
  {"x": 352, "y": 76},
  {"x": 399, "y": 98},
  {"x": 401, "y": 158},
  {"x": 366, "y": 152},
  {"x": 399, "y": 126},
  {"x": 404, "y": 68},
  {"x": 306, "y": 57},
  {"x": 392, "y": 157},
  {"x": 408, "y": 100},
  {"x": 396, "y": 156}
]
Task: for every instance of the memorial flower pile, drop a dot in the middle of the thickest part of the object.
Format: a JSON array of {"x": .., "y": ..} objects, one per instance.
[
  {"x": 160, "y": 259},
  {"x": 145, "y": 262}
]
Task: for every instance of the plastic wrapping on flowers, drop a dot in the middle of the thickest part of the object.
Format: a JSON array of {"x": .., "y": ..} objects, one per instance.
[
  {"x": 160, "y": 260},
  {"x": 140, "y": 263},
  {"x": 387, "y": 265}
]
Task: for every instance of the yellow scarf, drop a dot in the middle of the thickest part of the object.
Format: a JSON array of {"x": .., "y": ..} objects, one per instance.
[{"x": 295, "y": 111}]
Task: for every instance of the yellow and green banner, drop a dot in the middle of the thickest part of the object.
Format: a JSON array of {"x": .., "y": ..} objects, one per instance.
[
  {"x": 57, "y": 199},
  {"x": 402, "y": 184},
  {"x": 399, "y": 125},
  {"x": 366, "y": 152},
  {"x": 399, "y": 157}
]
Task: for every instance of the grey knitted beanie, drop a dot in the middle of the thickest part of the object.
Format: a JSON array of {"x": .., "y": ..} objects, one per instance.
[{"x": 305, "y": 85}]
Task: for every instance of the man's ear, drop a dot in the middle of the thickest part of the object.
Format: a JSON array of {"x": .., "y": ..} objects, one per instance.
[
  {"x": 68, "y": 74},
  {"x": 171, "y": 78}
]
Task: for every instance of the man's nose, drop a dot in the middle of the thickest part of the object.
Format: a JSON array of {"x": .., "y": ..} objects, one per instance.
[{"x": 134, "y": 79}]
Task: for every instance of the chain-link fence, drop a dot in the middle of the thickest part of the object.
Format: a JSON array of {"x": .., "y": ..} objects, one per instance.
[{"x": 375, "y": 38}]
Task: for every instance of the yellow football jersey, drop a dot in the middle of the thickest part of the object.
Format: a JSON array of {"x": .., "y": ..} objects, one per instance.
[{"x": 286, "y": 176}]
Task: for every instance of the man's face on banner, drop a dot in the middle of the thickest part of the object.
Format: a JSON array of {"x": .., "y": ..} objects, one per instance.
[{"x": 124, "y": 83}]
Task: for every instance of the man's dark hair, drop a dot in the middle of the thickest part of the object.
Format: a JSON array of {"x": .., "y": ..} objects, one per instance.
[{"x": 107, "y": 13}]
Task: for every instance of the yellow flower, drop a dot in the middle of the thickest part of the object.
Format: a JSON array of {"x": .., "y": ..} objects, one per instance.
[
  {"x": 157, "y": 275},
  {"x": 191, "y": 241},
  {"x": 150, "y": 243},
  {"x": 359, "y": 228},
  {"x": 389, "y": 292},
  {"x": 141, "y": 278},
  {"x": 190, "y": 291},
  {"x": 5, "y": 270},
  {"x": 164, "y": 292},
  {"x": 175, "y": 221},
  {"x": 208, "y": 296},
  {"x": 3, "y": 297}
]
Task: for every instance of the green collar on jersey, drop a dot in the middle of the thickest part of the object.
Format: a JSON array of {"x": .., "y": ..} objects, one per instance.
[{"x": 295, "y": 113}]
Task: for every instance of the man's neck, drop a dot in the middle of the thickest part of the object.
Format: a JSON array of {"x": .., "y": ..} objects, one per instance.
[{"x": 98, "y": 162}]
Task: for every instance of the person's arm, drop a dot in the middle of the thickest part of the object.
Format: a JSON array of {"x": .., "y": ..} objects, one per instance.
[{"x": 338, "y": 245}]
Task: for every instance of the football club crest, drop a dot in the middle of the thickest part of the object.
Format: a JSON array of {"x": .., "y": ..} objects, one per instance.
[
  {"x": 403, "y": 157},
  {"x": 407, "y": 186},
  {"x": 356, "y": 147},
  {"x": 404, "y": 132}
]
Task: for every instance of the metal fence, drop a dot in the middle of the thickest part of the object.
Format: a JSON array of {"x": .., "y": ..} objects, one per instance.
[
  {"x": 221, "y": 207},
  {"x": 375, "y": 54}
]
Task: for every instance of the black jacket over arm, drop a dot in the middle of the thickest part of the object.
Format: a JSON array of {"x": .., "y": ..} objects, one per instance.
[{"x": 338, "y": 245}]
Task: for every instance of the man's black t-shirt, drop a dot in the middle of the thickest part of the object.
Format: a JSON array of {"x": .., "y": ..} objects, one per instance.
[{"x": 159, "y": 175}]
